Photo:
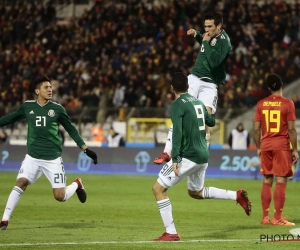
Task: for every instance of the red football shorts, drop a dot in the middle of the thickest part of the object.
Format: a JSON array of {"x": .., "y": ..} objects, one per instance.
[{"x": 278, "y": 163}]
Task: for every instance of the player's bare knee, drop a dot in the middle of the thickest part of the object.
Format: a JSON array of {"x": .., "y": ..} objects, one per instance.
[
  {"x": 269, "y": 179},
  {"x": 192, "y": 194},
  {"x": 158, "y": 189},
  {"x": 59, "y": 195},
  {"x": 155, "y": 189},
  {"x": 195, "y": 194},
  {"x": 22, "y": 183}
]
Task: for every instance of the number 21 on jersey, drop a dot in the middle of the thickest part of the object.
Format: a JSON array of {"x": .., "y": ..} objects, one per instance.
[
  {"x": 272, "y": 117},
  {"x": 40, "y": 121}
]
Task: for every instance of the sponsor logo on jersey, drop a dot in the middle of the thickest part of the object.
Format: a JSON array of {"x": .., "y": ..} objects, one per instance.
[
  {"x": 51, "y": 113},
  {"x": 31, "y": 112}
]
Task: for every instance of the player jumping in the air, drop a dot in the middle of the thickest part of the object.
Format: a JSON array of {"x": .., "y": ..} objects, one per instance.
[{"x": 208, "y": 71}]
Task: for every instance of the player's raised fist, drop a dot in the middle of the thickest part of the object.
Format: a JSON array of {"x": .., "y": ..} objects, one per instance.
[{"x": 191, "y": 32}]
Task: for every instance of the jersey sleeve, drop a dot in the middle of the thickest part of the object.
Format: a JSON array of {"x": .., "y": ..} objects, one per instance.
[
  {"x": 217, "y": 53},
  {"x": 65, "y": 121},
  {"x": 199, "y": 37},
  {"x": 13, "y": 117},
  {"x": 176, "y": 117}
]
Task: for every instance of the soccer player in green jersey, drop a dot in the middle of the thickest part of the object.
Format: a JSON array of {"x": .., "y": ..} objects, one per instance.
[
  {"x": 189, "y": 157},
  {"x": 208, "y": 71},
  {"x": 44, "y": 148}
]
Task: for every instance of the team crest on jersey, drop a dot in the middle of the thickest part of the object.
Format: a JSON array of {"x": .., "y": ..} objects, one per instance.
[
  {"x": 213, "y": 42},
  {"x": 51, "y": 113}
]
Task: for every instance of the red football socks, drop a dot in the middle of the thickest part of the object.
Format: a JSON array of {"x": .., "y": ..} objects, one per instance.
[
  {"x": 266, "y": 197},
  {"x": 279, "y": 199}
]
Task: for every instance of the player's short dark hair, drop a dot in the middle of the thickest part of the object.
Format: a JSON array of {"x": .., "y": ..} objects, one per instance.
[
  {"x": 274, "y": 82},
  {"x": 180, "y": 82},
  {"x": 216, "y": 16},
  {"x": 39, "y": 80}
]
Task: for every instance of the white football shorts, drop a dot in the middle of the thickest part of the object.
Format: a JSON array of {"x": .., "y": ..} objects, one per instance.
[
  {"x": 204, "y": 91},
  {"x": 194, "y": 172},
  {"x": 32, "y": 169}
]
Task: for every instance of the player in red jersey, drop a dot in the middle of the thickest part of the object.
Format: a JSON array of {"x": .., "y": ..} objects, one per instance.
[{"x": 274, "y": 130}]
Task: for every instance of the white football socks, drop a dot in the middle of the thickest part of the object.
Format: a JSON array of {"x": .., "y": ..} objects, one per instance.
[
  {"x": 70, "y": 190},
  {"x": 12, "y": 202},
  {"x": 217, "y": 193},
  {"x": 165, "y": 209}
]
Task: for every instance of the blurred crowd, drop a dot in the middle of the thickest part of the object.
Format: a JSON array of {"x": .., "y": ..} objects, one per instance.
[{"x": 123, "y": 53}]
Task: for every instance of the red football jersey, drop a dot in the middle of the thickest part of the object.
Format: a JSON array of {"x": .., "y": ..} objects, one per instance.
[{"x": 273, "y": 113}]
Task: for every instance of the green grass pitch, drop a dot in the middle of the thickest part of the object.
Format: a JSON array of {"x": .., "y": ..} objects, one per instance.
[{"x": 121, "y": 213}]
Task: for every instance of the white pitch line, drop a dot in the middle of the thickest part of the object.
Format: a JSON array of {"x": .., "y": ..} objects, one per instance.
[{"x": 120, "y": 242}]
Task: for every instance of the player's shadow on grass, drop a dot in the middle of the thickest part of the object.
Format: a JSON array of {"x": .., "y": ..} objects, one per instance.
[
  {"x": 296, "y": 221},
  {"x": 227, "y": 232},
  {"x": 75, "y": 225}
]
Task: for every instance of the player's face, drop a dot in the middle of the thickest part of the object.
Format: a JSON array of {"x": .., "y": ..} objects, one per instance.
[
  {"x": 211, "y": 28},
  {"x": 45, "y": 91}
]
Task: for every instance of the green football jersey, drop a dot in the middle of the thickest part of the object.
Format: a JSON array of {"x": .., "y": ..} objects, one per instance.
[
  {"x": 43, "y": 138},
  {"x": 211, "y": 58},
  {"x": 189, "y": 117}
]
